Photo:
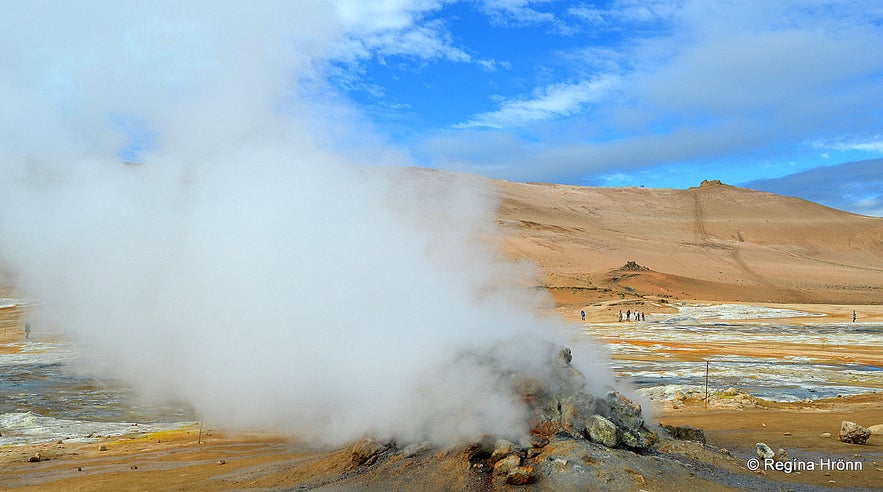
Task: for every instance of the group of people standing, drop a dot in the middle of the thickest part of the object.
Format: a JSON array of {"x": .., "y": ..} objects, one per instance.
[
  {"x": 628, "y": 316},
  {"x": 632, "y": 316}
]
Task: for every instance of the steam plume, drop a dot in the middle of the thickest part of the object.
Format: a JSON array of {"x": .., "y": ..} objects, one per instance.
[{"x": 247, "y": 266}]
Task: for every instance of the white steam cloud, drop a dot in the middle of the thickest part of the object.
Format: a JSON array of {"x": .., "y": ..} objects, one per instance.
[{"x": 248, "y": 266}]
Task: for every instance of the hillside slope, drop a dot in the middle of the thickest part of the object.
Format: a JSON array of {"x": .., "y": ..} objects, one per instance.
[{"x": 712, "y": 242}]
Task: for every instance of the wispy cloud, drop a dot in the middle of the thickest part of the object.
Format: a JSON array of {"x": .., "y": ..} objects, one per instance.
[
  {"x": 546, "y": 103},
  {"x": 516, "y": 12},
  {"x": 872, "y": 144},
  {"x": 634, "y": 11}
]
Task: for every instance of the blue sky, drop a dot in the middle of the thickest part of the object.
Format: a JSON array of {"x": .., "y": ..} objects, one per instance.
[
  {"x": 656, "y": 93},
  {"x": 659, "y": 93}
]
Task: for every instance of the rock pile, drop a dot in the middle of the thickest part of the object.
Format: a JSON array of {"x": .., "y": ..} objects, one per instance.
[
  {"x": 566, "y": 409},
  {"x": 565, "y": 416}
]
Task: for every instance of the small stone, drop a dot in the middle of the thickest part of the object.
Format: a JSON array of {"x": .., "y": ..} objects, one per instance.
[
  {"x": 102, "y": 448},
  {"x": 876, "y": 430},
  {"x": 222, "y": 462},
  {"x": 764, "y": 451},
  {"x": 35, "y": 458},
  {"x": 522, "y": 475},
  {"x": 134, "y": 467},
  {"x": 786, "y": 434},
  {"x": 781, "y": 455},
  {"x": 852, "y": 433},
  {"x": 502, "y": 448},
  {"x": 79, "y": 468},
  {"x": 730, "y": 392},
  {"x": 507, "y": 464},
  {"x": 826, "y": 435}
]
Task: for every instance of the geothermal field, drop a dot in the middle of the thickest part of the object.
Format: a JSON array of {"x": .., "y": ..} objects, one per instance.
[
  {"x": 260, "y": 246},
  {"x": 746, "y": 332}
]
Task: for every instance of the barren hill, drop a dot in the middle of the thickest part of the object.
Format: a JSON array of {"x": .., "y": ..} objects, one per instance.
[{"x": 711, "y": 242}]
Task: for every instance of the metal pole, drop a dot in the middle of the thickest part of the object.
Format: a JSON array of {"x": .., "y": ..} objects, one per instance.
[{"x": 706, "y": 383}]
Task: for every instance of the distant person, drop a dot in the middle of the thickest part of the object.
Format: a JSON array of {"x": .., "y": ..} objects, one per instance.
[
  {"x": 620, "y": 315},
  {"x": 853, "y": 316},
  {"x": 643, "y": 317},
  {"x": 27, "y": 329},
  {"x": 582, "y": 315},
  {"x": 628, "y": 315}
]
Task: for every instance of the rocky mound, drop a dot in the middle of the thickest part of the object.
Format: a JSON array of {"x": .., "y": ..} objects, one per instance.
[
  {"x": 577, "y": 441},
  {"x": 631, "y": 266}
]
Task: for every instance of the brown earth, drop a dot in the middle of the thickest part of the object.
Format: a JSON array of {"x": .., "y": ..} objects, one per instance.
[{"x": 713, "y": 243}]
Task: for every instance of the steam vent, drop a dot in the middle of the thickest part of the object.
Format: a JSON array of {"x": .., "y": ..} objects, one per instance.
[{"x": 577, "y": 441}]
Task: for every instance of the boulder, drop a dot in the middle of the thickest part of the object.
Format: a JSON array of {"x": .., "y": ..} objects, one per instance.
[
  {"x": 576, "y": 409},
  {"x": 852, "y": 433},
  {"x": 603, "y": 431},
  {"x": 624, "y": 412},
  {"x": 639, "y": 440}
]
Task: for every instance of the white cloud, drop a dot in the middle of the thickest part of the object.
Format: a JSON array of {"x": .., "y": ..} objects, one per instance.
[
  {"x": 873, "y": 144},
  {"x": 517, "y": 12},
  {"x": 547, "y": 103}
]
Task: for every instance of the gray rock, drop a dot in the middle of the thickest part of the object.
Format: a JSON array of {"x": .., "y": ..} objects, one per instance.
[
  {"x": 852, "y": 433},
  {"x": 568, "y": 378},
  {"x": 764, "y": 451},
  {"x": 626, "y": 413},
  {"x": 576, "y": 409},
  {"x": 603, "y": 431},
  {"x": 639, "y": 440}
]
